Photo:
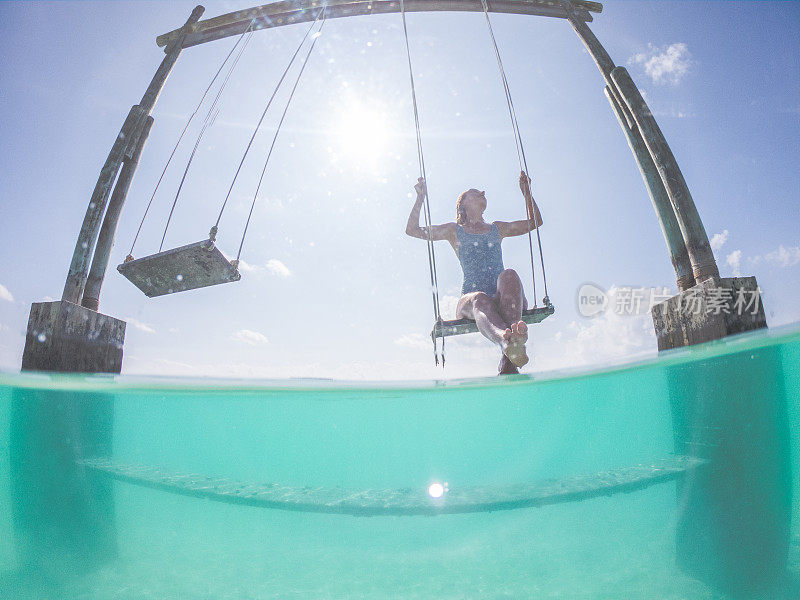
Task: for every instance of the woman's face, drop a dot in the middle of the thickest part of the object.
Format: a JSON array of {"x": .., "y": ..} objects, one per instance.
[{"x": 474, "y": 204}]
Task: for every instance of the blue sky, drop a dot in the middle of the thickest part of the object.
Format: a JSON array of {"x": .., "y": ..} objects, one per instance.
[{"x": 332, "y": 285}]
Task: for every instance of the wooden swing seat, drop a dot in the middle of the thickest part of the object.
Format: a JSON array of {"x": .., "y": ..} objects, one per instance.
[
  {"x": 461, "y": 326},
  {"x": 186, "y": 268}
]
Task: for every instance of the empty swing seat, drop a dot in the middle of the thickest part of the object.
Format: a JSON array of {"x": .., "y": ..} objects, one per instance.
[
  {"x": 461, "y": 326},
  {"x": 186, "y": 268}
]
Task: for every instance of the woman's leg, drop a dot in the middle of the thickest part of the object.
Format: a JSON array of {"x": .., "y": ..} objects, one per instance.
[
  {"x": 510, "y": 296},
  {"x": 483, "y": 309},
  {"x": 480, "y": 307},
  {"x": 511, "y": 302}
]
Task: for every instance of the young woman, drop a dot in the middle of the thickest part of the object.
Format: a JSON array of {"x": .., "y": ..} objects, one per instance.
[{"x": 490, "y": 294}]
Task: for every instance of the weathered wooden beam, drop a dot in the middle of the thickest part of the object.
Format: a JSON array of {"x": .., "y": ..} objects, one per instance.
[
  {"x": 598, "y": 53},
  {"x": 694, "y": 234},
  {"x": 84, "y": 247},
  {"x": 658, "y": 195},
  {"x": 278, "y": 14},
  {"x": 402, "y": 501},
  {"x": 677, "y": 242},
  {"x": 87, "y": 237},
  {"x": 172, "y": 50},
  {"x": 102, "y": 253}
]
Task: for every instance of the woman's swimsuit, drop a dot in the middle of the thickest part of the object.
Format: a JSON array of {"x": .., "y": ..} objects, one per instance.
[{"x": 481, "y": 260}]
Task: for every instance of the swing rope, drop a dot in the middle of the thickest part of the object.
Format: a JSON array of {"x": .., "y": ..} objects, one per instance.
[
  {"x": 426, "y": 212},
  {"x": 523, "y": 163},
  {"x": 215, "y": 228},
  {"x": 180, "y": 138},
  {"x": 211, "y": 117},
  {"x": 316, "y": 36}
]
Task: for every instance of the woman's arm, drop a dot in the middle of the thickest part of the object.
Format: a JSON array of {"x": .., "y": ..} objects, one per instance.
[
  {"x": 523, "y": 226},
  {"x": 438, "y": 232}
]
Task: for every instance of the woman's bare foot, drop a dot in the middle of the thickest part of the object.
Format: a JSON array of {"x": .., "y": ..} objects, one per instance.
[{"x": 513, "y": 345}]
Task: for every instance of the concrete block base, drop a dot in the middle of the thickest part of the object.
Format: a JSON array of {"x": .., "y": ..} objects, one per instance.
[
  {"x": 66, "y": 337},
  {"x": 711, "y": 310}
]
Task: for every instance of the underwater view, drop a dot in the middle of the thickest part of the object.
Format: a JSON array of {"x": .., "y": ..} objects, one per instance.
[
  {"x": 384, "y": 447},
  {"x": 400, "y": 299}
]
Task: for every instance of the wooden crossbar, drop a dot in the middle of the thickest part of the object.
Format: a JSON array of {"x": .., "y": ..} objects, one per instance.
[
  {"x": 402, "y": 501},
  {"x": 278, "y": 14}
]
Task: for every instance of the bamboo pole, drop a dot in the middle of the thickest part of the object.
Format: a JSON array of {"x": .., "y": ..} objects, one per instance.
[
  {"x": 673, "y": 234},
  {"x": 694, "y": 234},
  {"x": 102, "y": 253},
  {"x": 658, "y": 195},
  {"x": 598, "y": 53},
  {"x": 76, "y": 278},
  {"x": 87, "y": 238}
]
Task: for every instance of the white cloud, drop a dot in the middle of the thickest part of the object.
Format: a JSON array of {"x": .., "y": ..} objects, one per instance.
[
  {"x": 785, "y": 257},
  {"x": 139, "y": 325},
  {"x": 665, "y": 64},
  {"x": 611, "y": 336},
  {"x": 273, "y": 265},
  {"x": 246, "y": 267},
  {"x": 278, "y": 268},
  {"x": 734, "y": 260},
  {"x": 447, "y": 306},
  {"x": 414, "y": 340},
  {"x": 5, "y": 294},
  {"x": 718, "y": 240},
  {"x": 247, "y": 336}
]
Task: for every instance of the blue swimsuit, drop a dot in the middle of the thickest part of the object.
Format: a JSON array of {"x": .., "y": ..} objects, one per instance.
[{"x": 481, "y": 260}]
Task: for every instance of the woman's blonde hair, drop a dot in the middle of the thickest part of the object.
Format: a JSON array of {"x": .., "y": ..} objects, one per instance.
[{"x": 461, "y": 214}]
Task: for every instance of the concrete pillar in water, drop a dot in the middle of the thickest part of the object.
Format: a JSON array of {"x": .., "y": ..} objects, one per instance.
[
  {"x": 63, "y": 516},
  {"x": 734, "y": 515}
]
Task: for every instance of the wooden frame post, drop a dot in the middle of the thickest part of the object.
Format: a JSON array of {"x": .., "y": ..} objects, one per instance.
[
  {"x": 677, "y": 242},
  {"x": 102, "y": 253},
  {"x": 128, "y": 135},
  {"x": 733, "y": 523},
  {"x": 62, "y": 515},
  {"x": 658, "y": 195},
  {"x": 694, "y": 234}
]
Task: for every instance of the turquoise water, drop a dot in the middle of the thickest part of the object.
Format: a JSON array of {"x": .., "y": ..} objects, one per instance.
[{"x": 401, "y": 435}]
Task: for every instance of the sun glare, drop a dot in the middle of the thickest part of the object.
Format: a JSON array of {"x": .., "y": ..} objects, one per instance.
[{"x": 362, "y": 134}]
